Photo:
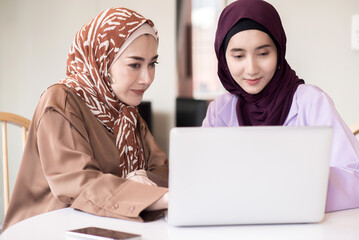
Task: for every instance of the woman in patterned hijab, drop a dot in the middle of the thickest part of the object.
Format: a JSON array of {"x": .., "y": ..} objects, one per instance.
[
  {"x": 88, "y": 148},
  {"x": 95, "y": 49}
]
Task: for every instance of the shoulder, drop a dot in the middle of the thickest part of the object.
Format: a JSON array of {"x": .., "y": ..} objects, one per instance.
[
  {"x": 54, "y": 96},
  {"x": 58, "y": 96},
  {"x": 308, "y": 92},
  {"x": 308, "y": 95},
  {"x": 310, "y": 106},
  {"x": 63, "y": 100},
  {"x": 224, "y": 101},
  {"x": 222, "y": 111}
]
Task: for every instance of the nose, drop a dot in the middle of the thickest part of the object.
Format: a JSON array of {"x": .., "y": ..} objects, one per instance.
[
  {"x": 252, "y": 67},
  {"x": 146, "y": 77}
]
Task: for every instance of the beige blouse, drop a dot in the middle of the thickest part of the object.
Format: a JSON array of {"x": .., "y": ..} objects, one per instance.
[{"x": 71, "y": 160}]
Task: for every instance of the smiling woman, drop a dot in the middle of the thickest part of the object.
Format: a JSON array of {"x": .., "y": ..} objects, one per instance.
[
  {"x": 88, "y": 148},
  {"x": 263, "y": 90},
  {"x": 252, "y": 59},
  {"x": 134, "y": 70}
]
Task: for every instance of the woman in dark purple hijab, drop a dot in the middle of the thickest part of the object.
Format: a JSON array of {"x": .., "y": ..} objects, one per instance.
[
  {"x": 263, "y": 90},
  {"x": 270, "y": 106}
]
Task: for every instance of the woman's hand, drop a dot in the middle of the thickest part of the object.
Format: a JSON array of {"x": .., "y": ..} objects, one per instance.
[{"x": 140, "y": 176}]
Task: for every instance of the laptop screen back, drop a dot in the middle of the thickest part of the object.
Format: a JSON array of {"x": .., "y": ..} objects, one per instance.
[{"x": 248, "y": 175}]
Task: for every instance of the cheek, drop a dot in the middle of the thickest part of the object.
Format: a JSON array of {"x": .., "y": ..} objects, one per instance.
[
  {"x": 121, "y": 86},
  {"x": 124, "y": 79},
  {"x": 235, "y": 69},
  {"x": 271, "y": 66},
  {"x": 118, "y": 91}
]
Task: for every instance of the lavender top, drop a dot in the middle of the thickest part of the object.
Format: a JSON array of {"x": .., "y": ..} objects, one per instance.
[{"x": 310, "y": 107}]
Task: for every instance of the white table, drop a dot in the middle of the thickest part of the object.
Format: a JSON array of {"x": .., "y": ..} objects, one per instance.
[{"x": 341, "y": 225}]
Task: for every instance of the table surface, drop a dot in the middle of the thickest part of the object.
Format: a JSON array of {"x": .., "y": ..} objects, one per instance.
[{"x": 53, "y": 225}]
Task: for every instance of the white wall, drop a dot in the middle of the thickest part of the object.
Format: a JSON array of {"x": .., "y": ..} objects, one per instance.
[{"x": 34, "y": 42}]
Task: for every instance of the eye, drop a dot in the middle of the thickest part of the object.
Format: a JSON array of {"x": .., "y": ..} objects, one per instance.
[
  {"x": 263, "y": 53},
  {"x": 135, "y": 65},
  {"x": 238, "y": 56},
  {"x": 153, "y": 64}
]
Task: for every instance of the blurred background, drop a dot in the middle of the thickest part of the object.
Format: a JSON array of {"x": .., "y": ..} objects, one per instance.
[{"x": 36, "y": 35}]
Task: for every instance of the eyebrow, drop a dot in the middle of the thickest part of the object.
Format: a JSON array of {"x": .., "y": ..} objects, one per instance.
[
  {"x": 142, "y": 59},
  {"x": 257, "y": 48}
]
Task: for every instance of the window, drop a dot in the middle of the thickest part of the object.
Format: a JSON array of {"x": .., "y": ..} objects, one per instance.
[
  {"x": 204, "y": 18},
  {"x": 196, "y": 59}
]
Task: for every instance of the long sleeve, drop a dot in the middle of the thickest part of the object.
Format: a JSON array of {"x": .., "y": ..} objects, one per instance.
[
  {"x": 71, "y": 160},
  {"x": 76, "y": 178},
  {"x": 343, "y": 188},
  {"x": 311, "y": 107}
]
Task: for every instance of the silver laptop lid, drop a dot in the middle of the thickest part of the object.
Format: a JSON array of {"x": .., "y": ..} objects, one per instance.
[{"x": 248, "y": 175}]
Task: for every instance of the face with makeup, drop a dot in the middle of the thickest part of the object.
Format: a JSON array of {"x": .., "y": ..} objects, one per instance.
[
  {"x": 134, "y": 70},
  {"x": 251, "y": 57}
]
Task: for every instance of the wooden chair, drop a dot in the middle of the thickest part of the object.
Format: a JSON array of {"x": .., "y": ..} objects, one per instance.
[
  {"x": 355, "y": 128},
  {"x": 19, "y": 121}
]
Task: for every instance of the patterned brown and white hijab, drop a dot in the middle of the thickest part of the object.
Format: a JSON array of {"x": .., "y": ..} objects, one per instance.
[{"x": 95, "y": 47}]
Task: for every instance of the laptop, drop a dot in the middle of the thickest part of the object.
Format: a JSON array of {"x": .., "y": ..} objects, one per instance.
[{"x": 248, "y": 175}]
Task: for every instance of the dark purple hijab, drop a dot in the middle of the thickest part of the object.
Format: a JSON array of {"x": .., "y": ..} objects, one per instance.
[{"x": 271, "y": 106}]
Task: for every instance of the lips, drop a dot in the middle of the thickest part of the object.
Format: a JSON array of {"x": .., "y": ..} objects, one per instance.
[
  {"x": 253, "y": 81},
  {"x": 139, "y": 92}
]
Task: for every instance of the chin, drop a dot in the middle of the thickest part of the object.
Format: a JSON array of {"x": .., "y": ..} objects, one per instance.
[
  {"x": 131, "y": 104},
  {"x": 134, "y": 103},
  {"x": 253, "y": 91},
  {"x": 130, "y": 100}
]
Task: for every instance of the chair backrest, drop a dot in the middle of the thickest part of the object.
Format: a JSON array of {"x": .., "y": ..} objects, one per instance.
[
  {"x": 19, "y": 121},
  {"x": 355, "y": 128}
]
